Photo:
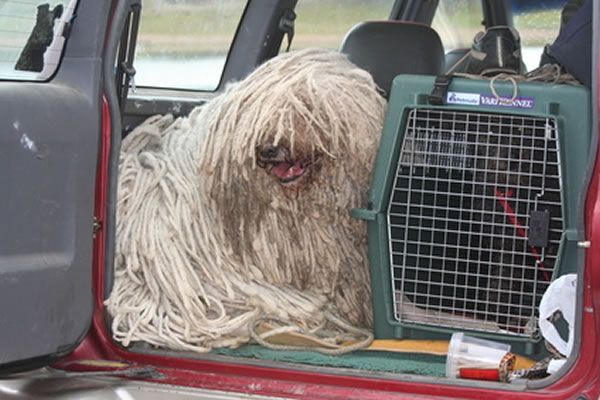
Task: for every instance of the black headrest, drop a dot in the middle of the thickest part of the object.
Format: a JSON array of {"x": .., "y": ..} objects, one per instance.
[{"x": 390, "y": 48}]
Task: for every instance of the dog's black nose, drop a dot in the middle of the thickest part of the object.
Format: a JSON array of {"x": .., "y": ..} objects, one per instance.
[{"x": 269, "y": 151}]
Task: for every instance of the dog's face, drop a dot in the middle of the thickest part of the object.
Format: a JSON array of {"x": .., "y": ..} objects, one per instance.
[
  {"x": 289, "y": 171},
  {"x": 299, "y": 132}
]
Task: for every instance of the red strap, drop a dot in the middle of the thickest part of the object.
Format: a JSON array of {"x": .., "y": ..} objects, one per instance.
[{"x": 508, "y": 210}]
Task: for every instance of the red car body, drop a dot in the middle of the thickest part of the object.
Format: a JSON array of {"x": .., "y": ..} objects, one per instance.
[{"x": 582, "y": 380}]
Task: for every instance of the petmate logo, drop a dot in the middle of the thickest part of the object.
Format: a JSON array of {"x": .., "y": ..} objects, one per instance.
[
  {"x": 503, "y": 101},
  {"x": 472, "y": 99}
]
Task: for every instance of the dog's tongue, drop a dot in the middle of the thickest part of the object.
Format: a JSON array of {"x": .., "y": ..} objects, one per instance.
[{"x": 285, "y": 170}]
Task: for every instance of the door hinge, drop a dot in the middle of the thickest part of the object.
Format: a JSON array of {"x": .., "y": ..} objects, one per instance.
[{"x": 97, "y": 225}]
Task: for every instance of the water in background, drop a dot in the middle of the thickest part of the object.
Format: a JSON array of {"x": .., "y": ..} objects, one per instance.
[{"x": 204, "y": 73}]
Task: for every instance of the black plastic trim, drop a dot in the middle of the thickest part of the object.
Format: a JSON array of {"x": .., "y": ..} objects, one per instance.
[
  {"x": 421, "y": 11},
  {"x": 497, "y": 12},
  {"x": 120, "y": 16}
]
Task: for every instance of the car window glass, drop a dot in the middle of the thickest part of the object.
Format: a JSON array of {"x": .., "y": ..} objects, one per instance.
[
  {"x": 537, "y": 26},
  {"x": 457, "y": 22},
  {"x": 183, "y": 44},
  {"x": 31, "y": 39},
  {"x": 324, "y": 23}
]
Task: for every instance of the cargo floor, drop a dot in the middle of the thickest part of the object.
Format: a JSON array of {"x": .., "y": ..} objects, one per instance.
[{"x": 405, "y": 363}]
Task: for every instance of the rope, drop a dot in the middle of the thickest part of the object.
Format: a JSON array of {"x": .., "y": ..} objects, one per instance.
[
  {"x": 354, "y": 339},
  {"x": 507, "y": 78},
  {"x": 549, "y": 73},
  {"x": 209, "y": 245}
]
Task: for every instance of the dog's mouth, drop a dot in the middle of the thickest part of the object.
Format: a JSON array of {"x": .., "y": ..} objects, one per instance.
[{"x": 277, "y": 161}]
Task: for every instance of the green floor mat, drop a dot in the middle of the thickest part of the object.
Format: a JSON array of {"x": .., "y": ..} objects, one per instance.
[{"x": 406, "y": 363}]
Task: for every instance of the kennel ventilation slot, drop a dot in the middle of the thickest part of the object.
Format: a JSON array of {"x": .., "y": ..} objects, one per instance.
[{"x": 466, "y": 186}]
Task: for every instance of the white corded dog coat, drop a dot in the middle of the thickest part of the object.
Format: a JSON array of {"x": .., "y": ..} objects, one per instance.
[{"x": 210, "y": 242}]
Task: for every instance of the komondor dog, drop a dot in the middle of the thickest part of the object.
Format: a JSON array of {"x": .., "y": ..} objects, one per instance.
[{"x": 240, "y": 212}]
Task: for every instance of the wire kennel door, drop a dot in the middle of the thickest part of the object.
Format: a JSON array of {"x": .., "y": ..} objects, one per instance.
[{"x": 474, "y": 220}]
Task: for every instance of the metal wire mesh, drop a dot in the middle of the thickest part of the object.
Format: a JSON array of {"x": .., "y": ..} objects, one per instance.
[{"x": 460, "y": 218}]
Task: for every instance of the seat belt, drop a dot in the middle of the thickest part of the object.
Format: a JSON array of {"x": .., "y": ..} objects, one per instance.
[
  {"x": 125, "y": 72},
  {"x": 287, "y": 26}
]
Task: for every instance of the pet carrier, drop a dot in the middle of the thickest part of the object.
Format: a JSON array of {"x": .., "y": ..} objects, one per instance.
[{"x": 473, "y": 207}]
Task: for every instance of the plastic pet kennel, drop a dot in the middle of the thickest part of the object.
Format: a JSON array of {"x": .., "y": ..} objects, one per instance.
[{"x": 473, "y": 207}]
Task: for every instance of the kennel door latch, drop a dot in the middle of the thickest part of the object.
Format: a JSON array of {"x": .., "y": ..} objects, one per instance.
[
  {"x": 573, "y": 235},
  {"x": 364, "y": 214},
  {"x": 539, "y": 225}
]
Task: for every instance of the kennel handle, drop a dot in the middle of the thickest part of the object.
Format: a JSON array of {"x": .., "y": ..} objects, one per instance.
[{"x": 363, "y": 214}]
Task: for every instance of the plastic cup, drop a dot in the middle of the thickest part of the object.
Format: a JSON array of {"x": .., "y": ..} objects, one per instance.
[{"x": 466, "y": 352}]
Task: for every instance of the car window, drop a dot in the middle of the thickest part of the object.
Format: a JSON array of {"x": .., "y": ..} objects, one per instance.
[
  {"x": 324, "y": 23},
  {"x": 457, "y": 22},
  {"x": 537, "y": 26},
  {"x": 31, "y": 39},
  {"x": 183, "y": 44}
]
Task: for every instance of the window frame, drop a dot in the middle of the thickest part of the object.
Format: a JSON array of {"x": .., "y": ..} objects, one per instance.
[
  {"x": 219, "y": 85},
  {"x": 257, "y": 39},
  {"x": 495, "y": 12}
]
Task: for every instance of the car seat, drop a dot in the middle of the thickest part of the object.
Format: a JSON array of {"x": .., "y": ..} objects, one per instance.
[{"x": 390, "y": 48}]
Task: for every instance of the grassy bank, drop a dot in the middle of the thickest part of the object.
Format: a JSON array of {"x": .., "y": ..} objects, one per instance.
[{"x": 205, "y": 28}]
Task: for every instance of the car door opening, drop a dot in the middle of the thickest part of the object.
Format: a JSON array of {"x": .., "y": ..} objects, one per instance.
[{"x": 300, "y": 220}]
